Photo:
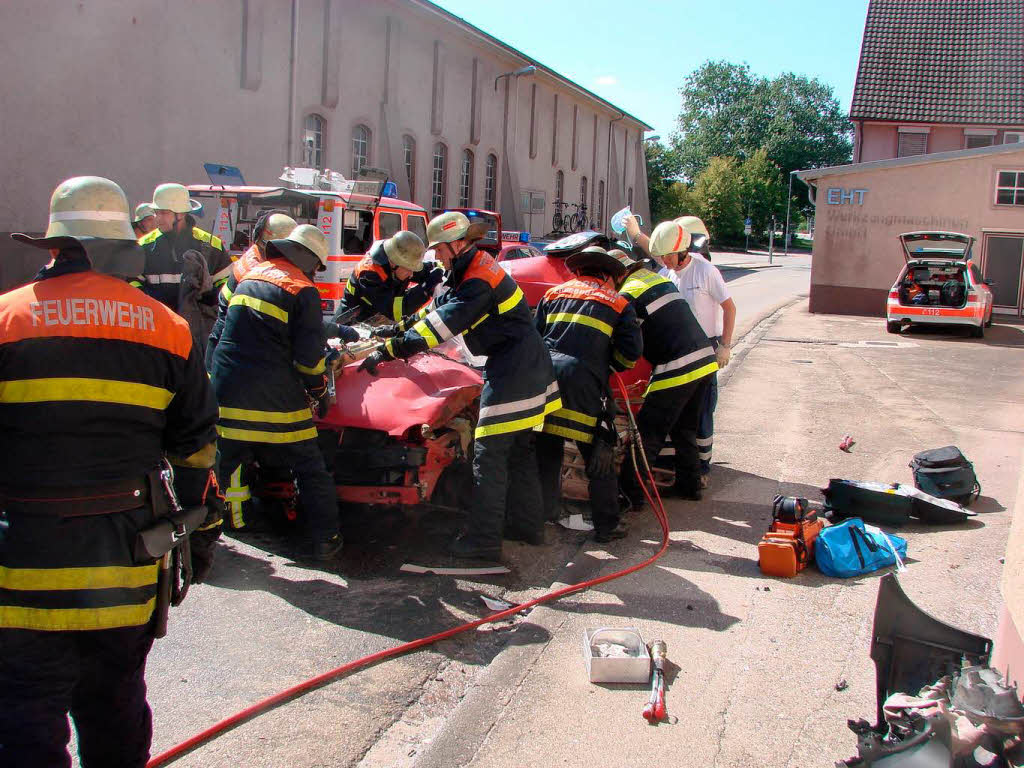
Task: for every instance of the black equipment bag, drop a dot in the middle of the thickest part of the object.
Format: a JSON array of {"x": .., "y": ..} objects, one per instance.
[
  {"x": 952, "y": 293},
  {"x": 876, "y": 503},
  {"x": 946, "y": 473}
]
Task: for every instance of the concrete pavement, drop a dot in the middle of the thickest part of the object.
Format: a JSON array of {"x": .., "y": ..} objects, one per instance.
[{"x": 760, "y": 661}]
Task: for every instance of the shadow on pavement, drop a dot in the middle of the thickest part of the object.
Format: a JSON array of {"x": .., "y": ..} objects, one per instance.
[{"x": 1008, "y": 336}]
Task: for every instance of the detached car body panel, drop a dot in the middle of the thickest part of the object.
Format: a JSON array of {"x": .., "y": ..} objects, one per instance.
[{"x": 939, "y": 284}]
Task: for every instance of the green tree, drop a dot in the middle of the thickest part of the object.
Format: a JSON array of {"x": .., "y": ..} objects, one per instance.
[
  {"x": 762, "y": 192},
  {"x": 727, "y": 111},
  {"x": 717, "y": 194},
  {"x": 663, "y": 171}
]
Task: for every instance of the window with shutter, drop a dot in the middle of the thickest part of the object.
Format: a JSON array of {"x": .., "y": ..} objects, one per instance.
[{"x": 912, "y": 144}]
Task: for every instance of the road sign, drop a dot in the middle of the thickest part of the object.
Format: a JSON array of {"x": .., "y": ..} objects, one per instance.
[
  {"x": 746, "y": 228},
  {"x": 747, "y": 221}
]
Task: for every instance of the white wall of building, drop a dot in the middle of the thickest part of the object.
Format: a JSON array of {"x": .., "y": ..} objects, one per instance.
[{"x": 146, "y": 91}]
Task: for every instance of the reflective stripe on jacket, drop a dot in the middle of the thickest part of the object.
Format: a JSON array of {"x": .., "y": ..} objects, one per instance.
[
  {"x": 271, "y": 351},
  {"x": 589, "y": 330},
  {"x": 482, "y": 302},
  {"x": 164, "y": 262},
  {"x": 243, "y": 264},
  {"x": 97, "y": 382},
  {"x": 373, "y": 289},
  {"x": 674, "y": 342}
]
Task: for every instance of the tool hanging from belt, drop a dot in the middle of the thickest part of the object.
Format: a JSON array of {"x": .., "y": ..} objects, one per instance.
[{"x": 165, "y": 539}]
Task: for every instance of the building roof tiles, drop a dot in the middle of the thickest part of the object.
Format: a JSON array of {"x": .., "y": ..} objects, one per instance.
[{"x": 942, "y": 61}]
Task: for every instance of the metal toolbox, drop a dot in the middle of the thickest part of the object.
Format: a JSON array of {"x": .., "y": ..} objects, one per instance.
[{"x": 633, "y": 668}]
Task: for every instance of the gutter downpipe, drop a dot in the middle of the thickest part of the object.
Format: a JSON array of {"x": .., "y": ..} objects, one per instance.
[
  {"x": 293, "y": 44},
  {"x": 608, "y": 168},
  {"x": 789, "y": 204}
]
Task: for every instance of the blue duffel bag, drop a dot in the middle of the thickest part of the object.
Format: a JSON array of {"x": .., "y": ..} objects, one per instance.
[{"x": 852, "y": 549}]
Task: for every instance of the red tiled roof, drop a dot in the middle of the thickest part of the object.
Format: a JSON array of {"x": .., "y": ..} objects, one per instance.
[{"x": 944, "y": 61}]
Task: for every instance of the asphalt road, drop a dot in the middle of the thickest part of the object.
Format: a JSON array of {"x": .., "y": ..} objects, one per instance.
[{"x": 266, "y": 622}]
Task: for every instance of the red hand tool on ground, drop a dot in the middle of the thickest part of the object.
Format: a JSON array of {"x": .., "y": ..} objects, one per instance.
[{"x": 655, "y": 710}]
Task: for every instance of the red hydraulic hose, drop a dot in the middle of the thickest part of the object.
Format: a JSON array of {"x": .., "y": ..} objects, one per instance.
[{"x": 314, "y": 682}]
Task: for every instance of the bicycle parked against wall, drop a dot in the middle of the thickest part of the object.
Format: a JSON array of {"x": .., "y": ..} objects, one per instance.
[
  {"x": 559, "y": 220},
  {"x": 578, "y": 219}
]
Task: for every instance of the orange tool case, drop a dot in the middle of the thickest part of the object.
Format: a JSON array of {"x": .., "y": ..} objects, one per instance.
[{"x": 788, "y": 546}]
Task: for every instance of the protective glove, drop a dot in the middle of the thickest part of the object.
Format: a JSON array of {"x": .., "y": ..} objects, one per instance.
[
  {"x": 346, "y": 333},
  {"x": 723, "y": 353},
  {"x": 202, "y": 542},
  {"x": 602, "y": 459},
  {"x": 385, "y": 331},
  {"x": 433, "y": 279},
  {"x": 375, "y": 358},
  {"x": 321, "y": 398}
]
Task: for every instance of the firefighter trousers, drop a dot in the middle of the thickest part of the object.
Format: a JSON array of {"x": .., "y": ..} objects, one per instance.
[
  {"x": 505, "y": 485},
  {"x": 97, "y": 675},
  {"x": 665, "y": 412},
  {"x": 603, "y": 489},
  {"x": 304, "y": 459}
]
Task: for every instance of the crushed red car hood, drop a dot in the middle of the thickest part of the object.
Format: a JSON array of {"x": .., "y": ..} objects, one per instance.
[{"x": 426, "y": 389}]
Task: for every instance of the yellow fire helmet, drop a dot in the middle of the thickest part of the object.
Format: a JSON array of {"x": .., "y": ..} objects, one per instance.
[
  {"x": 447, "y": 228},
  {"x": 669, "y": 237},
  {"x": 405, "y": 249}
]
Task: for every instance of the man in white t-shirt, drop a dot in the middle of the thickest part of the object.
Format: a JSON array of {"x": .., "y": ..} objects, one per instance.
[{"x": 701, "y": 284}]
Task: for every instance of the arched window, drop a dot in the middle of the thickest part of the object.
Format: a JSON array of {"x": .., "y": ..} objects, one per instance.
[
  {"x": 629, "y": 198},
  {"x": 313, "y": 142},
  {"x": 583, "y": 190},
  {"x": 439, "y": 180},
  {"x": 466, "y": 180},
  {"x": 409, "y": 154},
  {"x": 600, "y": 206},
  {"x": 559, "y": 185},
  {"x": 490, "y": 182},
  {"x": 360, "y": 149}
]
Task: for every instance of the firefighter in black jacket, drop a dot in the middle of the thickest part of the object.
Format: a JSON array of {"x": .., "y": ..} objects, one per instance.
[
  {"x": 98, "y": 384},
  {"x": 682, "y": 358},
  {"x": 590, "y": 329},
  {"x": 380, "y": 282},
  {"x": 165, "y": 246},
  {"x": 267, "y": 367},
  {"x": 483, "y": 302}
]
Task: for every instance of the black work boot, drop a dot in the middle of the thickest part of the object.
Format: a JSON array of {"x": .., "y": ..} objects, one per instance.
[
  {"x": 467, "y": 547},
  {"x": 606, "y": 535},
  {"x": 328, "y": 549}
]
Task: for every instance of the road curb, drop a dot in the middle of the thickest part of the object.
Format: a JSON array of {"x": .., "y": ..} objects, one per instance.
[{"x": 489, "y": 694}]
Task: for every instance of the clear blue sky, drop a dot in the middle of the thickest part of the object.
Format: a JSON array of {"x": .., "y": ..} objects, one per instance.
[{"x": 637, "y": 53}]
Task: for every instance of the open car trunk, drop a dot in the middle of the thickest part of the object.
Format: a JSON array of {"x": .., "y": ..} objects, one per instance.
[{"x": 934, "y": 284}]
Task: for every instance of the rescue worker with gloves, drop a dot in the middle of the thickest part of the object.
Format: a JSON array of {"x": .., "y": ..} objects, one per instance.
[
  {"x": 479, "y": 299},
  {"x": 683, "y": 360},
  {"x": 270, "y": 225},
  {"x": 268, "y": 367},
  {"x": 167, "y": 245},
  {"x": 380, "y": 282},
  {"x": 99, "y": 385},
  {"x": 590, "y": 330},
  {"x": 702, "y": 285}
]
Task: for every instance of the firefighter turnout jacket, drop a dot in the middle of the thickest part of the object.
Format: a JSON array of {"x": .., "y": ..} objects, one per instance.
[
  {"x": 674, "y": 343},
  {"x": 243, "y": 264},
  {"x": 483, "y": 302},
  {"x": 97, "y": 382},
  {"x": 164, "y": 261},
  {"x": 589, "y": 329},
  {"x": 372, "y": 288},
  {"x": 271, "y": 352}
]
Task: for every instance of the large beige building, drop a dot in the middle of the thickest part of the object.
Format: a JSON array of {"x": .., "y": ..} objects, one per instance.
[{"x": 145, "y": 91}]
